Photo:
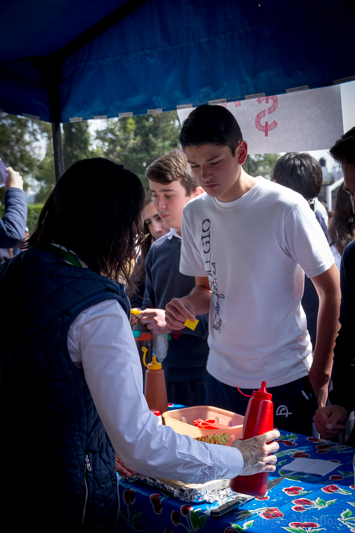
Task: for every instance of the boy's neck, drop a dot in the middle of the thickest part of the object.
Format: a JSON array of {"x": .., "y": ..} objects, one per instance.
[
  {"x": 244, "y": 184},
  {"x": 247, "y": 182}
]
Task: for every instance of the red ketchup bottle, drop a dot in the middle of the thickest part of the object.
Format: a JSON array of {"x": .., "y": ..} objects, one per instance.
[{"x": 258, "y": 419}]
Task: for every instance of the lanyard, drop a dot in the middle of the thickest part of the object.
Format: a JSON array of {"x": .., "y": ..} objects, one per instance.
[{"x": 69, "y": 257}]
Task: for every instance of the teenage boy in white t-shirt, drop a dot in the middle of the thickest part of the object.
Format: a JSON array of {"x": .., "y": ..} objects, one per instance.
[{"x": 248, "y": 242}]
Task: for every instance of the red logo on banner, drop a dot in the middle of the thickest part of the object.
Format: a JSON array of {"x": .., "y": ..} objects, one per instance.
[{"x": 266, "y": 127}]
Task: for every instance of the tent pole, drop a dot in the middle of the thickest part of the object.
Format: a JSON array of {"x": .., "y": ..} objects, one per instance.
[
  {"x": 50, "y": 68},
  {"x": 58, "y": 150}
]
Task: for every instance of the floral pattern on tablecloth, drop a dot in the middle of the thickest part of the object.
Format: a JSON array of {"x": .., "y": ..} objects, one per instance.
[{"x": 301, "y": 503}]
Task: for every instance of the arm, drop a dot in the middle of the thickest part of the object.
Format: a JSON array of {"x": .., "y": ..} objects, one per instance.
[
  {"x": 115, "y": 383},
  {"x": 328, "y": 289},
  {"x": 196, "y": 303},
  {"x": 13, "y": 224}
]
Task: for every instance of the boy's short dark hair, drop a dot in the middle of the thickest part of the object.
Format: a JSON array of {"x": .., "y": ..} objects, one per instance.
[
  {"x": 300, "y": 172},
  {"x": 211, "y": 124},
  {"x": 343, "y": 150},
  {"x": 170, "y": 167}
]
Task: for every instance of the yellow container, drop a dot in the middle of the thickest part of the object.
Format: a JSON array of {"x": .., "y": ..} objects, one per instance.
[{"x": 181, "y": 420}]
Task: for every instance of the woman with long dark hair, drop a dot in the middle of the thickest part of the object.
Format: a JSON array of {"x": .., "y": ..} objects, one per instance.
[{"x": 70, "y": 376}]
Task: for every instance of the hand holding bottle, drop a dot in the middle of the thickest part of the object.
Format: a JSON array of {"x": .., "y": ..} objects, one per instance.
[{"x": 257, "y": 453}]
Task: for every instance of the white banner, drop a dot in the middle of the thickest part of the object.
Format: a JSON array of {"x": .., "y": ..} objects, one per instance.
[{"x": 293, "y": 122}]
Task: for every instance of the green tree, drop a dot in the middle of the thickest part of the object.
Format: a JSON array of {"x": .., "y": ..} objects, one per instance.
[
  {"x": 137, "y": 141},
  {"x": 45, "y": 174},
  {"x": 76, "y": 146},
  {"x": 76, "y": 143},
  {"x": 261, "y": 165}
]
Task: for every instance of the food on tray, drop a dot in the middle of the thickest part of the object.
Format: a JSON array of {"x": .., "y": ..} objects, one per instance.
[{"x": 216, "y": 438}]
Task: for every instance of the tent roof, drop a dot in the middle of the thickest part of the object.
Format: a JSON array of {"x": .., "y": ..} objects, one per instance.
[{"x": 67, "y": 60}]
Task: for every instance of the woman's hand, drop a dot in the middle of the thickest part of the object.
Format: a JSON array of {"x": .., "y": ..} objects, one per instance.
[
  {"x": 257, "y": 452},
  {"x": 122, "y": 469}
]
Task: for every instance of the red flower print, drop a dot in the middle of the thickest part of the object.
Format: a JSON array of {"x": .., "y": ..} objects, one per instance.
[
  {"x": 300, "y": 454},
  {"x": 336, "y": 477},
  {"x": 293, "y": 491},
  {"x": 155, "y": 500},
  {"x": 271, "y": 512},
  {"x": 185, "y": 509},
  {"x": 175, "y": 518},
  {"x": 302, "y": 501},
  {"x": 289, "y": 443},
  {"x": 229, "y": 530},
  {"x": 299, "y": 508},
  {"x": 129, "y": 496},
  {"x": 313, "y": 439},
  {"x": 330, "y": 489}
]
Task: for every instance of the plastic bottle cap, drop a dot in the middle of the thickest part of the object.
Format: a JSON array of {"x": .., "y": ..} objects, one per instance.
[
  {"x": 262, "y": 393},
  {"x": 154, "y": 365}
]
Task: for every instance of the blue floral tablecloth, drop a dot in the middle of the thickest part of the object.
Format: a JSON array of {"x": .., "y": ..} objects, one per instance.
[{"x": 301, "y": 503}]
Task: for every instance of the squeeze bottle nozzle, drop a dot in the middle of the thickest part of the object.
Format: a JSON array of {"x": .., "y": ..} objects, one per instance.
[
  {"x": 154, "y": 365},
  {"x": 262, "y": 393}
]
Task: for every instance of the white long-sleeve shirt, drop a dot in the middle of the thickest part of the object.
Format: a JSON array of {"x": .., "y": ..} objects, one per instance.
[{"x": 100, "y": 341}]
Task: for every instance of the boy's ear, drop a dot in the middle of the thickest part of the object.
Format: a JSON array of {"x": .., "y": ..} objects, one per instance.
[
  {"x": 197, "y": 192},
  {"x": 242, "y": 152}
]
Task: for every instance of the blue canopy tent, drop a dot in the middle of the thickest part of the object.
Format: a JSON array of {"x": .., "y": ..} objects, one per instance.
[{"x": 69, "y": 60}]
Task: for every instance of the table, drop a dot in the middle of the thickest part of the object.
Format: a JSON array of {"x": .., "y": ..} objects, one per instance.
[{"x": 301, "y": 503}]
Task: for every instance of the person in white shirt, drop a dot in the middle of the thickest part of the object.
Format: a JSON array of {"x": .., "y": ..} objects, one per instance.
[{"x": 248, "y": 242}]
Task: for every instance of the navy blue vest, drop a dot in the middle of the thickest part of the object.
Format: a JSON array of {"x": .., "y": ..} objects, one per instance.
[{"x": 59, "y": 470}]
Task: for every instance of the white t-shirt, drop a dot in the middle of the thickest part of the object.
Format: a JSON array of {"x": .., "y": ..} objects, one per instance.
[
  {"x": 255, "y": 251},
  {"x": 100, "y": 341}
]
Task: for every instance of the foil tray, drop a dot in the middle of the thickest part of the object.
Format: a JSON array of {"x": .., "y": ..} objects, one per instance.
[{"x": 210, "y": 492}]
